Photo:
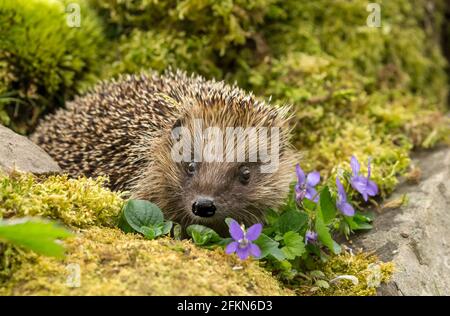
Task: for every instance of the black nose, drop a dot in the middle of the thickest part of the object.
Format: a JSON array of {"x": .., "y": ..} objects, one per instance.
[{"x": 204, "y": 207}]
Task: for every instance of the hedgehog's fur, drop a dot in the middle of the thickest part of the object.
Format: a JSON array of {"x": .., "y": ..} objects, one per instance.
[{"x": 123, "y": 129}]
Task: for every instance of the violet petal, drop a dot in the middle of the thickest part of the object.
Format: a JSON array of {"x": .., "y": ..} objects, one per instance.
[
  {"x": 347, "y": 209},
  {"x": 365, "y": 195},
  {"x": 236, "y": 231},
  {"x": 355, "y": 165},
  {"x": 253, "y": 232},
  {"x": 300, "y": 174},
  {"x": 341, "y": 192},
  {"x": 243, "y": 253},
  {"x": 311, "y": 194},
  {"x": 255, "y": 251},
  {"x": 231, "y": 247},
  {"x": 372, "y": 188},
  {"x": 313, "y": 178},
  {"x": 359, "y": 183}
]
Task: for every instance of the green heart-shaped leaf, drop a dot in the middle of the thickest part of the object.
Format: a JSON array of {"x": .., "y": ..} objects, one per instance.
[{"x": 139, "y": 213}]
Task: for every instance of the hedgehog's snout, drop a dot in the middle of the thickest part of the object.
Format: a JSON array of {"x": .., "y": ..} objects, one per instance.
[{"x": 204, "y": 207}]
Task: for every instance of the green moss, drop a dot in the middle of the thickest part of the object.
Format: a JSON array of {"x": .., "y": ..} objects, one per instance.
[
  {"x": 44, "y": 61},
  {"x": 11, "y": 258},
  {"x": 112, "y": 263},
  {"x": 78, "y": 203},
  {"x": 198, "y": 36},
  {"x": 222, "y": 24},
  {"x": 368, "y": 270},
  {"x": 158, "y": 50}
]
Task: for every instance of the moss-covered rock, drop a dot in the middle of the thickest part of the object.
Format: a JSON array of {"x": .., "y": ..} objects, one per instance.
[
  {"x": 43, "y": 59},
  {"x": 78, "y": 203},
  {"x": 369, "y": 272},
  {"x": 112, "y": 263}
]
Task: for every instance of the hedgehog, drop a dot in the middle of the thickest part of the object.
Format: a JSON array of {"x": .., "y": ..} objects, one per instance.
[{"x": 124, "y": 129}]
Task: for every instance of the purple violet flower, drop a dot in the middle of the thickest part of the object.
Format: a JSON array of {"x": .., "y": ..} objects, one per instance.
[
  {"x": 305, "y": 187},
  {"x": 242, "y": 243},
  {"x": 310, "y": 237},
  {"x": 341, "y": 201},
  {"x": 360, "y": 183}
]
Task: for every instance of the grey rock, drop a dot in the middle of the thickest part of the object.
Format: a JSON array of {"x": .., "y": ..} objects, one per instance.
[
  {"x": 19, "y": 153},
  {"x": 416, "y": 237}
]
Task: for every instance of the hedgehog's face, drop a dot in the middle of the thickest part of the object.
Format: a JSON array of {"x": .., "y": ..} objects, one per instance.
[
  {"x": 217, "y": 190},
  {"x": 206, "y": 191}
]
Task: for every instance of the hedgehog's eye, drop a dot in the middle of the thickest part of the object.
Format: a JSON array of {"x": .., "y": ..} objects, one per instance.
[
  {"x": 244, "y": 174},
  {"x": 191, "y": 168}
]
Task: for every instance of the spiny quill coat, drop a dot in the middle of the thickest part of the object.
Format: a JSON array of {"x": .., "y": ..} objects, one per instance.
[{"x": 123, "y": 128}]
